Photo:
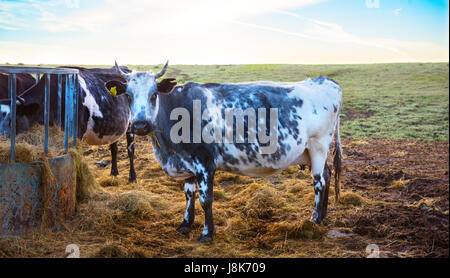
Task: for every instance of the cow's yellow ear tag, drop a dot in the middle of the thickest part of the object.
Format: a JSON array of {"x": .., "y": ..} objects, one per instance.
[{"x": 113, "y": 91}]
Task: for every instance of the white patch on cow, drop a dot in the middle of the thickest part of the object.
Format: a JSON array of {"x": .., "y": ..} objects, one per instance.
[
  {"x": 142, "y": 86},
  {"x": 172, "y": 171},
  {"x": 5, "y": 111},
  {"x": 90, "y": 137},
  {"x": 205, "y": 230},
  {"x": 192, "y": 187}
]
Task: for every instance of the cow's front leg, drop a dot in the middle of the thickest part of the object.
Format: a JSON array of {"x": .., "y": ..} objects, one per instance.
[
  {"x": 205, "y": 182},
  {"x": 190, "y": 190},
  {"x": 114, "y": 170},
  {"x": 130, "y": 150}
]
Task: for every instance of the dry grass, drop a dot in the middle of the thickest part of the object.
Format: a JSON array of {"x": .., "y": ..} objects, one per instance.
[
  {"x": 399, "y": 184},
  {"x": 305, "y": 229},
  {"x": 351, "y": 199}
]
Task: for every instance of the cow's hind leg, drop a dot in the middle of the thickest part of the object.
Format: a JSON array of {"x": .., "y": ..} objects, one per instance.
[
  {"x": 327, "y": 176},
  {"x": 130, "y": 150},
  {"x": 205, "y": 180},
  {"x": 190, "y": 190},
  {"x": 114, "y": 170},
  {"x": 318, "y": 153}
]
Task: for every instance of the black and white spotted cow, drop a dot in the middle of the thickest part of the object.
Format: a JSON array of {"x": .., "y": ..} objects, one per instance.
[{"x": 307, "y": 118}]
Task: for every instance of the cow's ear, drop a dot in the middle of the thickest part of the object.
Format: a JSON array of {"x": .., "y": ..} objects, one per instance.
[
  {"x": 116, "y": 87},
  {"x": 166, "y": 85}
]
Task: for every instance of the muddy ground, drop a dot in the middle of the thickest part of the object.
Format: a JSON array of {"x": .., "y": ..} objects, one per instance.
[{"x": 395, "y": 194}]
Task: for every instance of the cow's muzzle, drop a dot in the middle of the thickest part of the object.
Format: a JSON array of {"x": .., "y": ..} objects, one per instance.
[{"x": 141, "y": 128}]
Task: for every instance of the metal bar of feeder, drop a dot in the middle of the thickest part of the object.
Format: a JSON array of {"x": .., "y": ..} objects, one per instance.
[
  {"x": 66, "y": 114},
  {"x": 46, "y": 111},
  {"x": 59, "y": 100},
  {"x": 12, "y": 96},
  {"x": 37, "y": 78},
  {"x": 75, "y": 110},
  {"x": 70, "y": 105}
]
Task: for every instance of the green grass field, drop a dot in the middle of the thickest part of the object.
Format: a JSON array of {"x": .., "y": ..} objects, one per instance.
[{"x": 409, "y": 100}]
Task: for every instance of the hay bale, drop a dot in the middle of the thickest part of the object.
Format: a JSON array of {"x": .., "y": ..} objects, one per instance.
[
  {"x": 86, "y": 182},
  {"x": 30, "y": 144},
  {"x": 47, "y": 179},
  {"x": 25, "y": 152}
]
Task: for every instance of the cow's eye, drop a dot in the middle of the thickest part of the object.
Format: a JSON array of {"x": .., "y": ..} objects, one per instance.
[{"x": 153, "y": 97}]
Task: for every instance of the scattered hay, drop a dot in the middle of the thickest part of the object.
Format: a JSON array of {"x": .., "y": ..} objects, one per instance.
[
  {"x": 399, "y": 154},
  {"x": 226, "y": 178},
  {"x": 351, "y": 198},
  {"x": 358, "y": 143},
  {"x": 295, "y": 189},
  {"x": 399, "y": 184},
  {"x": 117, "y": 251},
  {"x": 236, "y": 226},
  {"x": 261, "y": 201},
  {"x": 109, "y": 181},
  {"x": 219, "y": 195},
  {"x": 138, "y": 203},
  {"x": 111, "y": 251},
  {"x": 306, "y": 229}
]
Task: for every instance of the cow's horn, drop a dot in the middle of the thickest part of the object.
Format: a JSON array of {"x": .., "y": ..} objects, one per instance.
[
  {"x": 161, "y": 73},
  {"x": 119, "y": 71},
  {"x": 20, "y": 100}
]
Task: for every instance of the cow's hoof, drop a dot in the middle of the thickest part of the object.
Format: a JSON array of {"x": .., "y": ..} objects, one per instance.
[
  {"x": 205, "y": 238},
  {"x": 316, "y": 218},
  {"x": 131, "y": 180},
  {"x": 184, "y": 229},
  {"x": 114, "y": 173}
]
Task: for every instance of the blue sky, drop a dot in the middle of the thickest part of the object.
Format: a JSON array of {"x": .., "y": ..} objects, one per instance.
[{"x": 223, "y": 32}]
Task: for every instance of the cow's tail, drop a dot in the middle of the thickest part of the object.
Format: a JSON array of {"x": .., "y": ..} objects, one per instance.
[{"x": 337, "y": 161}]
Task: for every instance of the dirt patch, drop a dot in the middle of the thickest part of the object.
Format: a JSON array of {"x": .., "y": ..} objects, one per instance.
[{"x": 353, "y": 113}]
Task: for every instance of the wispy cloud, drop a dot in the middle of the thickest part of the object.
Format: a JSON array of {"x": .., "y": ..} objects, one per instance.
[
  {"x": 334, "y": 33},
  {"x": 397, "y": 11}
]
